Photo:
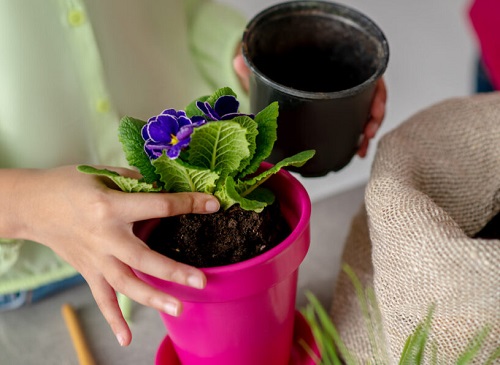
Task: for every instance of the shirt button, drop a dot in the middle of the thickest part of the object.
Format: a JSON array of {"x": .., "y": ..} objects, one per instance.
[
  {"x": 102, "y": 106},
  {"x": 76, "y": 18}
]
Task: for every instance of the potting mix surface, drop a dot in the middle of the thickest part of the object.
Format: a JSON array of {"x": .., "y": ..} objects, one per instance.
[{"x": 222, "y": 238}]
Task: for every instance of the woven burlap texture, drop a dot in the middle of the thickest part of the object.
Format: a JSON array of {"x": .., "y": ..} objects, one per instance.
[{"x": 435, "y": 182}]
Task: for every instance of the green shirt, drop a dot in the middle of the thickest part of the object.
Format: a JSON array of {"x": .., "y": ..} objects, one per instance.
[{"x": 71, "y": 68}]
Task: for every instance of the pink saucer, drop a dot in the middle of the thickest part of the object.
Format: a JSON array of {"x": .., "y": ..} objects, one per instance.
[{"x": 166, "y": 354}]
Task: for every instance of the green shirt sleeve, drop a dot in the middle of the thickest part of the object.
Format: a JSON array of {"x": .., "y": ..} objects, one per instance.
[
  {"x": 9, "y": 252},
  {"x": 214, "y": 35}
]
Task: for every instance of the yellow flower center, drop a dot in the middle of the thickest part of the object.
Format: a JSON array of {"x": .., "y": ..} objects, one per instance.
[{"x": 173, "y": 140}]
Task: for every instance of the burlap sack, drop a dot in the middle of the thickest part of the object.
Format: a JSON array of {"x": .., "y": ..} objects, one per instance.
[{"x": 435, "y": 182}]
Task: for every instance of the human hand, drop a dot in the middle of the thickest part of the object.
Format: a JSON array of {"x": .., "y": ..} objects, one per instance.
[
  {"x": 89, "y": 224},
  {"x": 242, "y": 70},
  {"x": 377, "y": 114},
  {"x": 377, "y": 111}
]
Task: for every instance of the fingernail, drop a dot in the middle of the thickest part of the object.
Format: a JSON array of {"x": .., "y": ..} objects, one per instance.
[
  {"x": 372, "y": 129},
  {"x": 171, "y": 309},
  {"x": 195, "y": 282},
  {"x": 212, "y": 205},
  {"x": 120, "y": 340}
]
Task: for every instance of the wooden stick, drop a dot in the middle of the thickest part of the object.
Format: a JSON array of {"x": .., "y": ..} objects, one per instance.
[{"x": 77, "y": 337}]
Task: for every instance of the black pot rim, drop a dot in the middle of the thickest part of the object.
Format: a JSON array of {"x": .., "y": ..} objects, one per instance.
[{"x": 350, "y": 14}]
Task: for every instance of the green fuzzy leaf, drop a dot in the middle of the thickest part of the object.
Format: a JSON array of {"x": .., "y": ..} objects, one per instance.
[
  {"x": 228, "y": 196},
  {"x": 226, "y": 193},
  {"x": 126, "y": 184},
  {"x": 219, "y": 146},
  {"x": 251, "y": 126},
  {"x": 247, "y": 186},
  {"x": 224, "y": 91},
  {"x": 178, "y": 176},
  {"x": 129, "y": 134},
  {"x": 266, "y": 125},
  {"x": 192, "y": 109},
  {"x": 263, "y": 195},
  {"x": 219, "y": 152}
]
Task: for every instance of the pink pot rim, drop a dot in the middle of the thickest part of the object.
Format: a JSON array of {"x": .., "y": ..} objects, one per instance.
[{"x": 238, "y": 280}]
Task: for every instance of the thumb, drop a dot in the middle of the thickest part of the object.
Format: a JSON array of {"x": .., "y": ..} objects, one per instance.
[{"x": 140, "y": 206}]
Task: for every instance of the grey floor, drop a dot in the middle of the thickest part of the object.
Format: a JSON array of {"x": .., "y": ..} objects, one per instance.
[{"x": 37, "y": 335}]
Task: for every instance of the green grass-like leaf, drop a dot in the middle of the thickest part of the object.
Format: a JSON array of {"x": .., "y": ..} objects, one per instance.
[
  {"x": 495, "y": 355},
  {"x": 416, "y": 345},
  {"x": 370, "y": 313},
  {"x": 329, "y": 335},
  {"x": 473, "y": 347},
  {"x": 413, "y": 350},
  {"x": 325, "y": 344}
]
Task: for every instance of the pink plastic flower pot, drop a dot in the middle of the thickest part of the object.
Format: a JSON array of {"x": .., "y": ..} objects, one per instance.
[{"x": 246, "y": 313}]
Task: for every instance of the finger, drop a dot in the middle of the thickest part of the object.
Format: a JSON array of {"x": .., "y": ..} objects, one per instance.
[
  {"x": 379, "y": 101},
  {"x": 107, "y": 302},
  {"x": 242, "y": 71},
  {"x": 371, "y": 129},
  {"x": 141, "y": 206},
  {"x": 382, "y": 89},
  {"x": 363, "y": 147},
  {"x": 137, "y": 255},
  {"x": 123, "y": 280},
  {"x": 377, "y": 114}
]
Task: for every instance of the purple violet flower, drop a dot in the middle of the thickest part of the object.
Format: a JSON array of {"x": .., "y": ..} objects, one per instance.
[
  {"x": 225, "y": 108},
  {"x": 170, "y": 131}
]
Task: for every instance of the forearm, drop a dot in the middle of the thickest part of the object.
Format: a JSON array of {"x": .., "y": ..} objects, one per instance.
[{"x": 13, "y": 192}]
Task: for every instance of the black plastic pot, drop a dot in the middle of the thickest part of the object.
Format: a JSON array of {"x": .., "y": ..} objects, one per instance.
[{"x": 320, "y": 60}]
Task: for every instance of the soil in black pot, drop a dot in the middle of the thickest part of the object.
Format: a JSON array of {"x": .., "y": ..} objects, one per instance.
[
  {"x": 490, "y": 230},
  {"x": 222, "y": 238}
]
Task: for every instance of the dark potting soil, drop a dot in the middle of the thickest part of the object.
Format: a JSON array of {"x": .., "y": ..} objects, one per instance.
[
  {"x": 490, "y": 230},
  {"x": 222, "y": 238}
]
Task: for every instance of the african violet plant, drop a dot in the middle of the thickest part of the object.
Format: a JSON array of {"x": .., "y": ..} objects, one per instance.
[{"x": 209, "y": 147}]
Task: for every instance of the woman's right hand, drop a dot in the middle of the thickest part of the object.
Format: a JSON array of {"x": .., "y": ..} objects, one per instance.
[{"x": 88, "y": 223}]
